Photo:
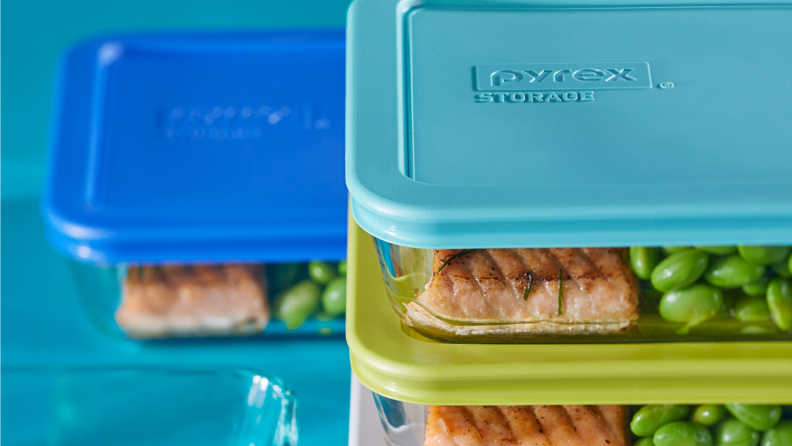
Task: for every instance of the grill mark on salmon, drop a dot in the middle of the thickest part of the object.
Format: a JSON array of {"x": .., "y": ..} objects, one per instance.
[
  {"x": 194, "y": 300},
  {"x": 483, "y": 292},
  {"x": 525, "y": 426}
]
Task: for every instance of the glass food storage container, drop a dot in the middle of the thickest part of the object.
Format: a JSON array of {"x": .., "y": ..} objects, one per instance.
[
  {"x": 722, "y": 424},
  {"x": 139, "y": 406},
  {"x": 401, "y": 363},
  {"x": 538, "y": 172},
  {"x": 193, "y": 177}
]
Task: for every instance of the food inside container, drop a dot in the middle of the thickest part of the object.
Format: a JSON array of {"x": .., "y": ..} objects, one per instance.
[
  {"x": 733, "y": 424},
  {"x": 522, "y": 192},
  {"x": 194, "y": 176},
  {"x": 669, "y": 292},
  {"x": 219, "y": 300}
]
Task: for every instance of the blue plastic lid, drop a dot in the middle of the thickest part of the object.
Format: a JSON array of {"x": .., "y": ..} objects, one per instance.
[
  {"x": 200, "y": 147},
  {"x": 585, "y": 123}
]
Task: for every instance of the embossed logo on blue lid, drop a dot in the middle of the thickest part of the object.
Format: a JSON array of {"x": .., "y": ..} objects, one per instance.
[{"x": 547, "y": 77}]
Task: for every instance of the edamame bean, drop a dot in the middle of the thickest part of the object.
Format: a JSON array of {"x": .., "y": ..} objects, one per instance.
[
  {"x": 679, "y": 270},
  {"x": 651, "y": 417},
  {"x": 758, "y": 288},
  {"x": 342, "y": 267},
  {"x": 789, "y": 264},
  {"x": 764, "y": 255},
  {"x": 779, "y": 300},
  {"x": 756, "y": 416},
  {"x": 295, "y": 304},
  {"x": 733, "y": 432},
  {"x": 780, "y": 435},
  {"x": 708, "y": 414},
  {"x": 668, "y": 250},
  {"x": 334, "y": 297},
  {"x": 682, "y": 433},
  {"x": 718, "y": 250},
  {"x": 752, "y": 309},
  {"x": 645, "y": 442},
  {"x": 280, "y": 276},
  {"x": 692, "y": 305},
  {"x": 321, "y": 272},
  {"x": 643, "y": 260},
  {"x": 732, "y": 272},
  {"x": 781, "y": 269}
]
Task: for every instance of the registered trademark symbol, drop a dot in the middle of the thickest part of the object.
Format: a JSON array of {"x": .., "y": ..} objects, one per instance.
[{"x": 667, "y": 85}]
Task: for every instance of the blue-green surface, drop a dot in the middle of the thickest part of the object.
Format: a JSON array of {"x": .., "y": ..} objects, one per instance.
[{"x": 42, "y": 322}]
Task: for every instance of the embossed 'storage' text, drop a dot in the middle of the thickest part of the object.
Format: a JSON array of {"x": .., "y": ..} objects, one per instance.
[{"x": 536, "y": 97}]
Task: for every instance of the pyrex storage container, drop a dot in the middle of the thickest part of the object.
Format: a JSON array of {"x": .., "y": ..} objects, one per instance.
[
  {"x": 400, "y": 363},
  {"x": 139, "y": 406},
  {"x": 189, "y": 172},
  {"x": 521, "y": 164},
  {"x": 730, "y": 424}
]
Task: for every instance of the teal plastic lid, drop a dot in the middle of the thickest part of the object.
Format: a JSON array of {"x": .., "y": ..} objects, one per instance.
[{"x": 592, "y": 123}]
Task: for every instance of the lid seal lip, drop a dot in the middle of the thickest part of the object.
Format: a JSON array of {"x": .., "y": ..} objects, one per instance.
[
  {"x": 197, "y": 250},
  {"x": 434, "y": 234}
]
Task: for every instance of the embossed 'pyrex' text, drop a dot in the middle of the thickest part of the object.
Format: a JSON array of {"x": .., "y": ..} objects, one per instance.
[{"x": 547, "y": 77}]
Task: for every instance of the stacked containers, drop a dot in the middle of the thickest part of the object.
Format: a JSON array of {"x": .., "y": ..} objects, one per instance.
[
  {"x": 180, "y": 163},
  {"x": 487, "y": 144}
]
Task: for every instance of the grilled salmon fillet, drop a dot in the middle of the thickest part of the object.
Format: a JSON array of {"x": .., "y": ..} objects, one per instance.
[
  {"x": 485, "y": 291},
  {"x": 526, "y": 426},
  {"x": 162, "y": 301}
]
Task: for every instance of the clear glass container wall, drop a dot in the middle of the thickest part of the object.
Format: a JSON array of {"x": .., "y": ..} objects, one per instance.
[
  {"x": 405, "y": 424},
  {"x": 101, "y": 289},
  {"x": 592, "y": 294},
  {"x": 146, "y": 407}
]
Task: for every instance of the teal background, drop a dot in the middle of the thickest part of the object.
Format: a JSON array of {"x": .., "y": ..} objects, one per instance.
[{"x": 42, "y": 321}]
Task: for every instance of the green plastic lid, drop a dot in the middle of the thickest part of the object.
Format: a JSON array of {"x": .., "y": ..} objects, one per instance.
[{"x": 396, "y": 362}]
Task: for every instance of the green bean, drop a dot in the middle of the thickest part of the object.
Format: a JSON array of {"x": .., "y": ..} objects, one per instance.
[
  {"x": 334, "y": 296},
  {"x": 651, "y": 417},
  {"x": 708, "y": 414},
  {"x": 755, "y": 330},
  {"x": 321, "y": 272},
  {"x": 645, "y": 442},
  {"x": 668, "y": 250},
  {"x": 643, "y": 260},
  {"x": 733, "y": 432},
  {"x": 780, "y": 435},
  {"x": 756, "y": 416},
  {"x": 789, "y": 264},
  {"x": 281, "y": 275},
  {"x": 682, "y": 433},
  {"x": 764, "y": 255},
  {"x": 752, "y": 309},
  {"x": 295, "y": 304},
  {"x": 342, "y": 267},
  {"x": 692, "y": 305},
  {"x": 679, "y": 270},
  {"x": 758, "y": 288},
  {"x": 779, "y": 300},
  {"x": 732, "y": 272},
  {"x": 781, "y": 269},
  {"x": 718, "y": 250}
]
